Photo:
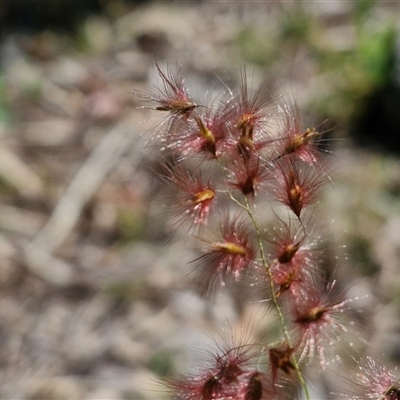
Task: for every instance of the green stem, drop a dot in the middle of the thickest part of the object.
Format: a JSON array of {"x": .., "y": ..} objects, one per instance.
[{"x": 273, "y": 294}]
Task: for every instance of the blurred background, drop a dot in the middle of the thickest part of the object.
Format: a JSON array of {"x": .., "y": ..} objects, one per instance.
[{"x": 93, "y": 298}]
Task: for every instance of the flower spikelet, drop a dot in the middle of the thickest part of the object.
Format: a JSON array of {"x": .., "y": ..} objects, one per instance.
[
  {"x": 194, "y": 194},
  {"x": 204, "y": 134},
  {"x": 172, "y": 97},
  {"x": 280, "y": 358},
  {"x": 318, "y": 314},
  {"x": 249, "y": 176},
  {"x": 294, "y": 139},
  {"x": 228, "y": 255},
  {"x": 374, "y": 381},
  {"x": 295, "y": 184},
  {"x": 228, "y": 374},
  {"x": 258, "y": 386},
  {"x": 248, "y": 116},
  {"x": 293, "y": 254}
]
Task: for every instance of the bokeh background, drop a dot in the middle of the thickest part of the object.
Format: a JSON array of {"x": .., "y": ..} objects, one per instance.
[{"x": 94, "y": 301}]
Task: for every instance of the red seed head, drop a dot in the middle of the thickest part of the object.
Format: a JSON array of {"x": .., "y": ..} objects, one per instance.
[
  {"x": 295, "y": 184},
  {"x": 281, "y": 359},
  {"x": 229, "y": 254},
  {"x": 248, "y": 115},
  {"x": 254, "y": 388},
  {"x": 204, "y": 134},
  {"x": 194, "y": 194},
  {"x": 286, "y": 279},
  {"x": 287, "y": 242},
  {"x": 293, "y": 258},
  {"x": 173, "y": 96},
  {"x": 229, "y": 373},
  {"x": 248, "y": 109},
  {"x": 173, "y": 99},
  {"x": 201, "y": 386},
  {"x": 248, "y": 175},
  {"x": 374, "y": 381},
  {"x": 207, "y": 137},
  {"x": 258, "y": 386},
  {"x": 294, "y": 139},
  {"x": 318, "y": 314}
]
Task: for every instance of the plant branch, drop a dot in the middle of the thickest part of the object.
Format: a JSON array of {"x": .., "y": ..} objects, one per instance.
[{"x": 274, "y": 298}]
